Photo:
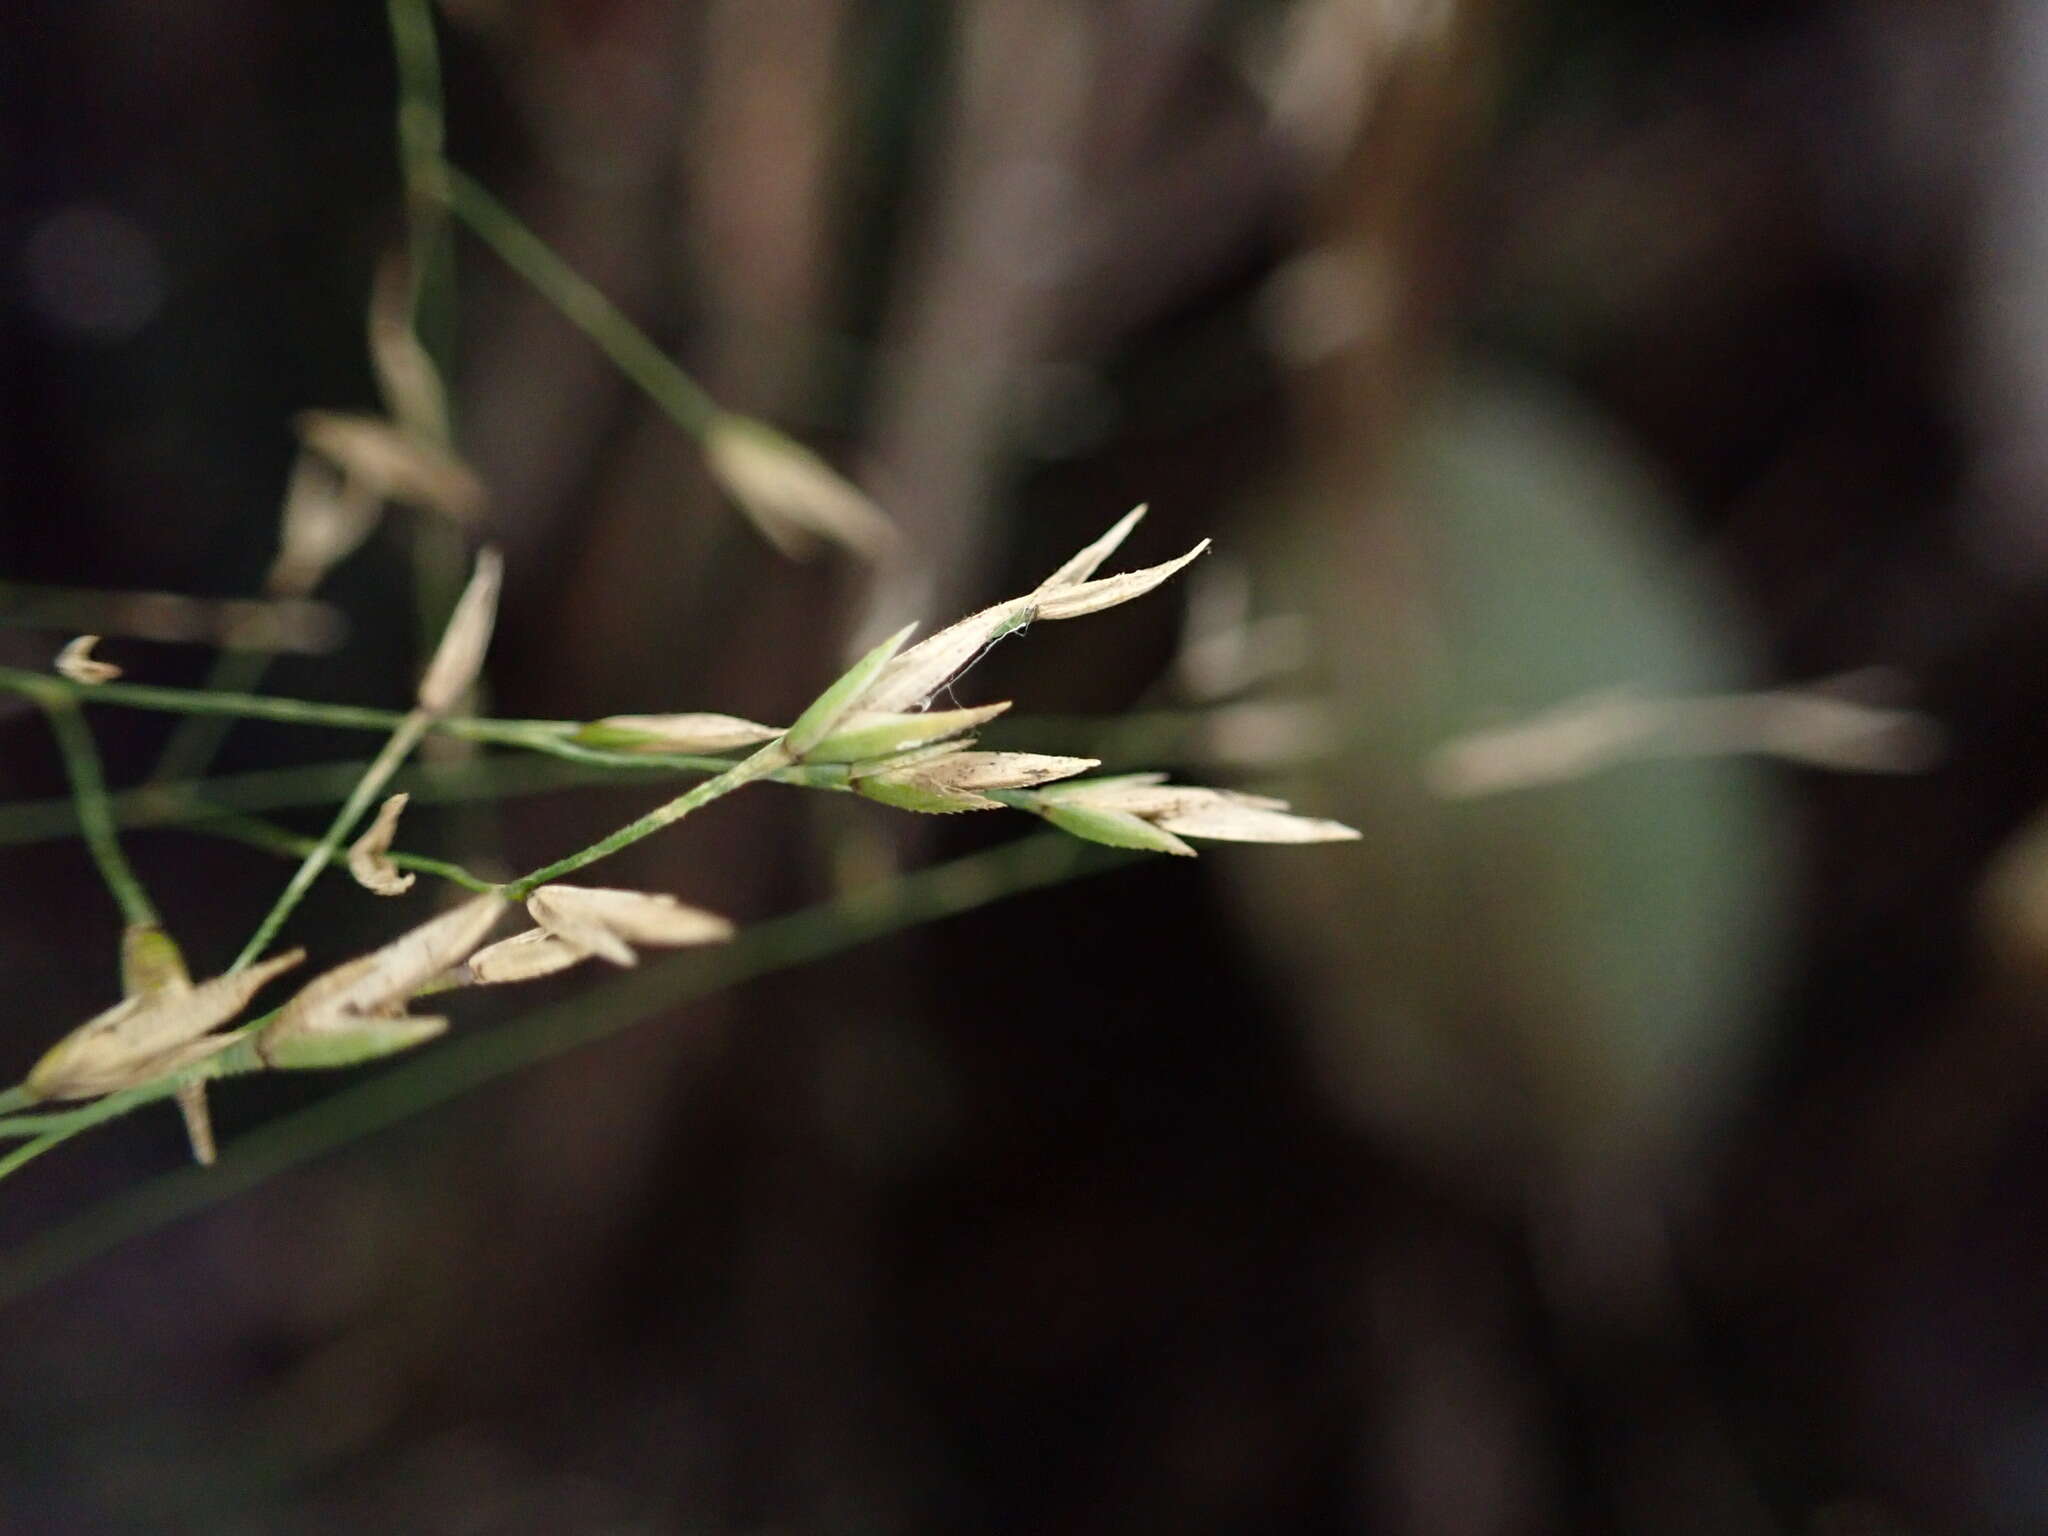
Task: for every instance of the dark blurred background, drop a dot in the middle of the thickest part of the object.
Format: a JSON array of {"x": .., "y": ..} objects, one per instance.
[{"x": 1658, "y": 1151}]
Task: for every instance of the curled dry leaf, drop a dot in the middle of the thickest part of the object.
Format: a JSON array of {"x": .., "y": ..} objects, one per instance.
[
  {"x": 76, "y": 662},
  {"x": 608, "y": 923},
  {"x": 149, "y": 1035},
  {"x": 459, "y": 658},
  {"x": 369, "y": 856}
]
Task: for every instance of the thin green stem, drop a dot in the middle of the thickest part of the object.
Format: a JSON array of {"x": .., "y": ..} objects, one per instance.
[
  {"x": 29, "y": 1151},
  {"x": 281, "y": 840},
  {"x": 1146, "y": 733},
  {"x": 686, "y": 401},
  {"x": 197, "y": 741},
  {"x": 95, "y": 814},
  {"x": 275, "y": 789},
  {"x": 422, "y": 137},
  {"x": 444, "y": 869},
  {"x": 550, "y": 737},
  {"x": 69, "y": 1122},
  {"x": 379, "y": 773},
  {"x": 253, "y": 706},
  {"x": 439, "y": 547},
  {"x": 768, "y": 760},
  {"x": 573, "y": 752}
]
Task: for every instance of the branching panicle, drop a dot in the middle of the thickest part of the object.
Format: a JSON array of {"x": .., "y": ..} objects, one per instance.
[{"x": 872, "y": 732}]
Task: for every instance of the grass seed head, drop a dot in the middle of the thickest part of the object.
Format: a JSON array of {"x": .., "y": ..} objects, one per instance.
[
  {"x": 459, "y": 658},
  {"x": 149, "y": 1035},
  {"x": 610, "y": 923}
]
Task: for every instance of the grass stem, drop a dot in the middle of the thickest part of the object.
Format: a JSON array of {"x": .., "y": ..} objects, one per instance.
[
  {"x": 375, "y": 777},
  {"x": 770, "y": 759},
  {"x": 685, "y": 401},
  {"x": 95, "y": 813}
]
